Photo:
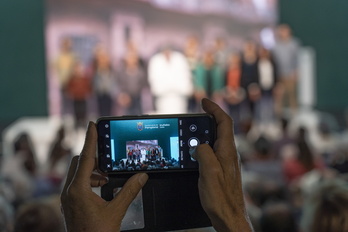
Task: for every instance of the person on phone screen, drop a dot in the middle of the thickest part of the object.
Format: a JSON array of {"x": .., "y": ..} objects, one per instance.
[{"x": 220, "y": 186}]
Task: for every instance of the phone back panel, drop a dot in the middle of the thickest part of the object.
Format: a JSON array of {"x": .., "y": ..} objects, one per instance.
[{"x": 170, "y": 201}]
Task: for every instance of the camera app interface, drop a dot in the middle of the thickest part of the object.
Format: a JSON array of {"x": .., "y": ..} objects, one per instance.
[
  {"x": 151, "y": 144},
  {"x": 144, "y": 144}
]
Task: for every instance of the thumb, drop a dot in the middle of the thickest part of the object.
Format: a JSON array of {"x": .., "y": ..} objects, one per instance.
[{"x": 128, "y": 192}]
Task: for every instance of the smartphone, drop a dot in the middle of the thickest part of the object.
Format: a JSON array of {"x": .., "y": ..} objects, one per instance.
[{"x": 152, "y": 143}]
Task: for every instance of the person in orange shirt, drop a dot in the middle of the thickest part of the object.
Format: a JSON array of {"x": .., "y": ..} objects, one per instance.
[
  {"x": 79, "y": 89},
  {"x": 234, "y": 93}
]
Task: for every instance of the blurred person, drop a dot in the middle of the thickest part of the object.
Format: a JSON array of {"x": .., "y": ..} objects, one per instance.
[
  {"x": 339, "y": 160},
  {"x": 37, "y": 217},
  {"x": 24, "y": 147},
  {"x": 243, "y": 141},
  {"x": 285, "y": 53},
  {"x": 63, "y": 67},
  {"x": 170, "y": 81},
  {"x": 259, "y": 192},
  {"x": 302, "y": 160},
  {"x": 20, "y": 169},
  {"x": 133, "y": 49},
  {"x": 132, "y": 81},
  {"x": 263, "y": 163},
  {"x": 59, "y": 158},
  {"x": 284, "y": 140},
  {"x": 220, "y": 53},
  {"x": 219, "y": 184},
  {"x": 250, "y": 76},
  {"x": 325, "y": 208},
  {"x": 326, "y": 143},
  {"x": 267, "y": 82},
  {"x": 79, "y": 90},
  {"x": 234, "y": 94},
  {"x": 277, "y": 216},
  {"x": 209, "y": 79},
  {"x": 192, "y": 55},
  {"x": 104, "y": 81},
  {"x": 6, "y": 215}
]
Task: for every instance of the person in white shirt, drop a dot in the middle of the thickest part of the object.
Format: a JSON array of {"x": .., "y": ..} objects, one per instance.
[
  {"x": 170, "y": 81},
  {"x": 267, "y": 83}
]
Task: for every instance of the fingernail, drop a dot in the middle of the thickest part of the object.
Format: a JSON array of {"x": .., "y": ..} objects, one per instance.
[
  {"x": 143, "y": 177},
  {"x": 104, "y": 181}
]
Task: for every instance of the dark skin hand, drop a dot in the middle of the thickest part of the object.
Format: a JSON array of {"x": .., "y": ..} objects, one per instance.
[
  {"x": 220, "y": 185},
  {"x": 83, "y": 209}
]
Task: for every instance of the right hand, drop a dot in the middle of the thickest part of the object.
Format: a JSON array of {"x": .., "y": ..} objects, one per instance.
[{"x": 219, "y": 184}]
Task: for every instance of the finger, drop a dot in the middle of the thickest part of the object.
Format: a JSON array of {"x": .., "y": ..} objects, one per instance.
[
  {"x": 98, "y": 180},
  {"x": 209, "y": 165},
  {"x": 223, "y": 120},
  {"x": 86, "y": 162},
  {"x": 128, "y": 192},
  {"x": 71, "y": 173},
  {"x": 224, "y": 147}
]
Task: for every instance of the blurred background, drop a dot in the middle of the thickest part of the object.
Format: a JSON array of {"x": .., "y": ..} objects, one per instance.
[{"x": 276, "y": 66}]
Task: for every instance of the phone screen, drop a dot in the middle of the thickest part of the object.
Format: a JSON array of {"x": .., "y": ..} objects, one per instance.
[{"x": 152, "y": 143}]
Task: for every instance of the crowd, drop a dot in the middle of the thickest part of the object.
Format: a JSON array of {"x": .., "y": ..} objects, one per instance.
[
  {"x": 146, "y": 164},
  {"x": 250, "y": 81},
  {"x": 145, "y": 158},
  {"x": 290, "y": 182}
]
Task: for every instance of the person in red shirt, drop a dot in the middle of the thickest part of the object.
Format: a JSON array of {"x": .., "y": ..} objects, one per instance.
[
  {"x": 79, "y": 89},
  {"x": 234, "y": 93}
]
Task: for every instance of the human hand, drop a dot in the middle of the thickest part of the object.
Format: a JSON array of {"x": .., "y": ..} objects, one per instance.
[
  {"x": 219, "y": 184},
  {"x": 83, "y": 209}
]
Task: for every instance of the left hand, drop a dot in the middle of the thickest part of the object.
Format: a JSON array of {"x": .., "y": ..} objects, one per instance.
[{"x": 83, "y": 209}]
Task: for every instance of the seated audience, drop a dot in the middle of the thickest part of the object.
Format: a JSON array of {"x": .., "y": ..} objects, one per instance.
[
  {"x": 277, "y": 217},
  {"x": 326, "y": 208},
  {"x": 295, "y": 165},
  {"x": 37, "y": 217}
]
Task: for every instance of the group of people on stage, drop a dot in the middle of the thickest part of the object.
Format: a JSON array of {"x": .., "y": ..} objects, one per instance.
[
  {"x": 251, "y": 81},
  {"x": 150, "y": 153},
  {"x": 99, "y": 80},
  {"x": 131, "y": 165},
  {"x": 144, "y": 158},
  {"x": 145, "y": 164}
]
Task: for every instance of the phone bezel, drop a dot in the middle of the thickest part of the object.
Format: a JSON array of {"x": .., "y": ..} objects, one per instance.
[{"x": 153, "y": 116}]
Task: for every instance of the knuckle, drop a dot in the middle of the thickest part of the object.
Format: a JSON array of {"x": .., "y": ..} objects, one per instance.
[
  {"x": 202, "y": 147},
  {"x": 131, "y": 192},
  {"x": 72, "y": 193},
  {"x": 214, "y": 170}
]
